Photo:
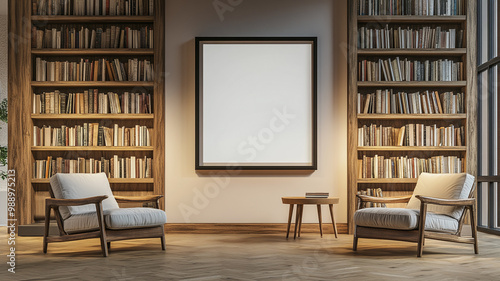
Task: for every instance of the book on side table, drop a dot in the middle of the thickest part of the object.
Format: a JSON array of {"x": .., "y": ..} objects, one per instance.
[{"x": 317, "y": 194}]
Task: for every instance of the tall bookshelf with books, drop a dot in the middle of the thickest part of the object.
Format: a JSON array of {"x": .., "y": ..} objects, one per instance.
[
  {"x": 412, "y": 94},
  {"x": 94, "y": 97}
]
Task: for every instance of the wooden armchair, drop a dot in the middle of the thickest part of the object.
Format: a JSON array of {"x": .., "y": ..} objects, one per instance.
[
  {"x": 85, "y": 207},
  {"x": 436, "y": 210}
]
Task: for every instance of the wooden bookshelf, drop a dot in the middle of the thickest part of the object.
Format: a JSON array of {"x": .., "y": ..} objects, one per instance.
[
  {"x": 31, "y": 192},
  {"x": 467, "y": 55}
]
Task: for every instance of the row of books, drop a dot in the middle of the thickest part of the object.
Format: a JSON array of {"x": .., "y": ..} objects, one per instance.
[
  {"x": 94, "y": 70},
  {"x": 412, "y": 7},
  {"x": 85, "y": 38},
  {"x": 411, "y": 135},
  {"x": 93, "y": 7},
  {"x": 116, "y": 167},
  {"x": 91, "y": 102},
  {"x": 428, "y": 102},
  {"x": 92, "y": 134},
  {"x": 375, "y": 192},
  {"x": 397, "y": 69},
  {"x": 407, "y": 167},
  {"x": 404, "y": 38}
]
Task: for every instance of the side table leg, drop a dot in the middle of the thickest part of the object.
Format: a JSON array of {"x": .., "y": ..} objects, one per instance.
[
  {"x": 300, "y": 218},
  {"x": 333, "y": 220},
  {"x": 319, "y": 218},
  {"x": 290, "y": 213},
  {"x": 297, "y": 215}
]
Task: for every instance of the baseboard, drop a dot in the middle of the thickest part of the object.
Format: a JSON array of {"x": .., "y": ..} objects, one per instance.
[
  {"x": 37, "y": 229},
  {"x": 248, "y": 228}
]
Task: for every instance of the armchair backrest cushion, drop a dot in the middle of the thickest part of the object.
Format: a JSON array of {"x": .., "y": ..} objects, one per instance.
[
  {"x": 77, "y": 186},
  {"x": 443, "y": 186}
]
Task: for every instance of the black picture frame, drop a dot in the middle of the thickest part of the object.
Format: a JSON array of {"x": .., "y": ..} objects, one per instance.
[{"x": 311, "y": 165}]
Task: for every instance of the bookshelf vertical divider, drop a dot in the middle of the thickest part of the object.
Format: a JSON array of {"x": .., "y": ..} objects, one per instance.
[
  {"x": 466, "y": 54},
  {"x": 30, "y": 191}
]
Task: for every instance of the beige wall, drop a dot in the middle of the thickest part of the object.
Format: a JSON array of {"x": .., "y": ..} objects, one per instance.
[{"x": 253, "y": 199}]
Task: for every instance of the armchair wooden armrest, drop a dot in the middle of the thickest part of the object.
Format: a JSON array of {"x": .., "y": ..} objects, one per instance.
[
  {"x": 137, "y": 199},
  {"x": 388, "y": 200},
  {"x": 52, "y": 202},
  {"x": 148, "y": 198},
  {"x": 446, "y": 202}
]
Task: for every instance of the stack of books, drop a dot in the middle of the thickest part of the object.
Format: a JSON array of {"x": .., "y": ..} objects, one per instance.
[{"x": 317, "y": 194}]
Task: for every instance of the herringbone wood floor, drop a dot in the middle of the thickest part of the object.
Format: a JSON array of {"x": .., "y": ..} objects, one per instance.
[{"x": 252, "y": 257}]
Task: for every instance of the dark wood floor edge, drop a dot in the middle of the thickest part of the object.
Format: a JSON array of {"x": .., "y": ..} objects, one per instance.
[{"x": 248, "y": 228}]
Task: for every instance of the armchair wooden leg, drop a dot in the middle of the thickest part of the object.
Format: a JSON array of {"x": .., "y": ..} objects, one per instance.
[
  {"x": 421, "y": 229},
  {"x": 355, "y": 241},
  {"x": 102, "y": 229},
  {"x": 47, "y": 227},
  {"x": 473, "y": 225},
  {"x": 162, "y": 238},
  {"x": 109, "y": 245}
]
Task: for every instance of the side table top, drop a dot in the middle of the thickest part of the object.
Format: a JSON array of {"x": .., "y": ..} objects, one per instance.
[{"x": 304, "y": 200}]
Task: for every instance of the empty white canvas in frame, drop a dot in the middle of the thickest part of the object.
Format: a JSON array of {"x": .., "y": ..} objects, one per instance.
[{"x": 256, "y": 103}]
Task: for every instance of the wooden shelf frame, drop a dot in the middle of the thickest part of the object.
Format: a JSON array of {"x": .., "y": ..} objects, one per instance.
[
  {"x": 93, "y": 116},
  {"x": 92, "y": 148},
  {"x": 93, "y": 52},
  {"x": 413, "y": 52},
  {"x": 469, "y": 86},
  {"x": 460, "y": 116},
  {"x": 112, "y": 180},
  {"x": 413, "y": 148},
  {"x": 412, "y": 19},
  {"x": 93, "y": 19},
  {"x": 21, "y": 87},
  {"x": 413, "y": 84},
  {"x": 95, "y": 84}
]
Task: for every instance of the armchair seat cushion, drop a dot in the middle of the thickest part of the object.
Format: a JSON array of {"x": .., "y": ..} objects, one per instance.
[
  {"x": 392, "y": 218},
  {"x": 125, "y": 218},
  {"x": 120, "y": 218},
  {"x": 403, "y": 219}
]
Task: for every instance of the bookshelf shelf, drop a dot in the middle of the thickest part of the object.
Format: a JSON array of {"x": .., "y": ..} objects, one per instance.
[
  {"x": 412, "y": 116},
  {"x": 97, "y": 84},
  {"x": 412, "y": 52},
  {"x": 455, "y": 96},
  {"x": 92, "y": 116},
  {"x": 93, "y": 19},
  {"x": 412, "y": 84},
  {"x": 412, "y": 148},
  {"x": 113, "y": 180},
  {"x": 92, "y": 52},
  {"x": 92, "y": 148},
  {"x": 412, "y": 19},
  {"x": 390, "y": 180}
]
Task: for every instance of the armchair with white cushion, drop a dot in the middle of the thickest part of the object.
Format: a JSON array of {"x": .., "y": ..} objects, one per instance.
[
  {"x": 436, "y": 210},
  {"x": 85, "y": 207}
]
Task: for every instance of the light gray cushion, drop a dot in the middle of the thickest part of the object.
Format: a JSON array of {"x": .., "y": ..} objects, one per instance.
[
  {"x": 444, "y": 186},
  {"x": 77, "y": 186},
  {"x": 403, "y": 219},
  {"x": 81, "y": 222},
  {"x": 123, "y": 218},
  {"x": 134, "y": 218},
  {"x": 393, "y": 218}
]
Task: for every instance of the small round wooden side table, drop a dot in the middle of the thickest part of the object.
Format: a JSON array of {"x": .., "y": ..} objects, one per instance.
[{"x": 300, "y": 202}]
